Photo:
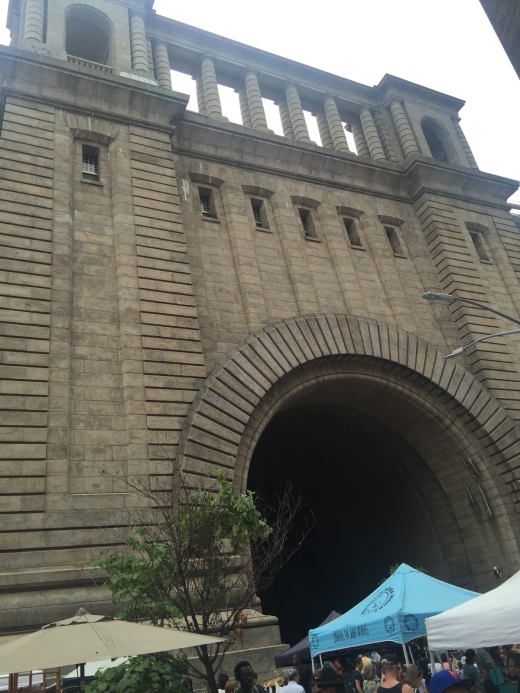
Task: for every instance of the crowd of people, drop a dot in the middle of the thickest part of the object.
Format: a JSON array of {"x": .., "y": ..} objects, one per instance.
[{"x": 477, "y": 671}]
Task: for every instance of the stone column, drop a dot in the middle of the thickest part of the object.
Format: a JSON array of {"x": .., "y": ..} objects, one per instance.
[
  {"x": 359, "y": 138},
  {"x": 337, "y": 133},
  {"x": 323, "y": 127},
  {"x": 210, "y": 85},
  {"x": 201, "y": 99},
  {"x": 464, "y": 142},
  {"x": 254, "y": 98},
  {"x": 285, "y": 117},
  {"x": 138, "y": 44},
  {"x": 403, "y": 128},
  {"x": 162, "y": 65},
  {"x": 34, "y": 20},
  {"x": 299, "y": 125},
  {"x": 372, "y": 138},
  {"x": 386, "y": 140},
  {"x": 15, "y": 28},
  {"x": 244, "y": 108}
]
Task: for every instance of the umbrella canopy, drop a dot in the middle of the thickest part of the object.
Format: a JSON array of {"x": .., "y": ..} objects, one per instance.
[
  {"x": 302, "y": 648},
  {"x": 89, "y": 638},
  {"x": 395, "y": 612},
  {"x": 491, "y": 619}
]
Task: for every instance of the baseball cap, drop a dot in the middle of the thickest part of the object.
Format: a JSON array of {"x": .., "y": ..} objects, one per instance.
[{"x": 445, "y": 679}]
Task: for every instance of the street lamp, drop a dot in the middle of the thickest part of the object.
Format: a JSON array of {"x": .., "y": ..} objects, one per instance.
[{"x": 448, "y": 298}]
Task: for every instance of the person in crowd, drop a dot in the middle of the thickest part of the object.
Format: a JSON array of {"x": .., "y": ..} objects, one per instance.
[
  {"x": 330, "y": 682},
  {"x": 230, "y": 686},
  {"x": 449, "y": 681},
  {"x": 370, "y": 682},
  {"x": 338, "y": 666},
  {"x": 244, "y": 675},
  {"x": 390, "y": 669},
  {"x": 304, "y": 672},
  {"x": 221, "y": 682},
  {"x": 375, "y": 657},
  {"x": 257, "y": 686},
  {"x": 470, "y": 670},
  {"x": 513, "y": 666},
  {"x": 423, "y": 663},
  {"x": 355, "y": 682},
  {"x": 293, "y": 685},
  {"x": 366, "y": 661},
  {"x": 413, "y": 677},
  {"x": 315, "y": 677}
]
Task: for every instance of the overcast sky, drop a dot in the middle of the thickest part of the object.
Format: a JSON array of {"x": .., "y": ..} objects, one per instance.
[{"x": 448, "y": 45}]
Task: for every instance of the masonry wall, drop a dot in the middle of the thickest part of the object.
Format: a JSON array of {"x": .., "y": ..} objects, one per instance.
[{"x": 118, "y": 297}]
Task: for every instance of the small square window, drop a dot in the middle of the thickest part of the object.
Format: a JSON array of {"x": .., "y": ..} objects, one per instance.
[
  {"x": 480, "y": 246},
  {"x": 394, "y": 241},
  {"x": 259, "y": 214},
  {"x": 90, "y": 163},
  {"x": 352, "y": 233},
  {"x": 307, "y": 222},
  {"x": 207, "y": 203}
]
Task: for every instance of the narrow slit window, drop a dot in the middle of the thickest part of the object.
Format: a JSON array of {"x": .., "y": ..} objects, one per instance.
[
  {"x": 90, "y": 163},
  {"x": 352, "y": 233},
  {"x": 259, "y": 214},
  {"x": 207, "y": 203},
  {"x": 480, "y": 246},
  {"x": 308, "y": 225},
  {"x": 394, "y": 241}
]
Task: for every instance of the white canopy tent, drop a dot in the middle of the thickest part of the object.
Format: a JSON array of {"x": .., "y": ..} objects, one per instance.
[{"x": 489, "y": 620}]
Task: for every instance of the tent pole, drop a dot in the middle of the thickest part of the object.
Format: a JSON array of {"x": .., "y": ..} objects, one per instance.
[
  {"x": 432, "y": 660},
  {"x": 82, "y": 678},
  {"x": 406, "y": 655},
  {"x": 411, "y": 654},
  {"x": 321, "y": 663},
  {"x": 312, "y": 664}
]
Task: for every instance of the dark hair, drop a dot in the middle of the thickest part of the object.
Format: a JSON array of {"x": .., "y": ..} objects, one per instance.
[
  {"x": 470, "y": 656},
  {"x": 238, "y": 668},
  {"x": 222, "y": 680},
  {"x": 514, "y": 656},
  {"x": 444, "y": 657}
]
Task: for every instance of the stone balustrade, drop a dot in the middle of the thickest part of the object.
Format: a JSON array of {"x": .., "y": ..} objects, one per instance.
[{"x": 380, "y": 123}]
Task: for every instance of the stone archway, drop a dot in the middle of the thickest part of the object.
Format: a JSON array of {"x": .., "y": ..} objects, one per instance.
[{"x": 271, "y": 368}]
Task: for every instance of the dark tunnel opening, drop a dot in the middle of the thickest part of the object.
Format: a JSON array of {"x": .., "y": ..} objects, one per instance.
[{"x": 368, "y": 515}]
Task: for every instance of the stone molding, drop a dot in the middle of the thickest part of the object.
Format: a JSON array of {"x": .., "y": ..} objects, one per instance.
[{"x": 212, "y": 433}]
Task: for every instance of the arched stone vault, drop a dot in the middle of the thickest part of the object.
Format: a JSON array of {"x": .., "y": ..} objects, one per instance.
[{"x": 438, "y": 407}]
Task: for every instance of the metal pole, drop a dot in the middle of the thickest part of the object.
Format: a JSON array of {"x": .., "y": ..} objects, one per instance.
[
  {"x": 321, "y": 662},
  {"x": 432, "y": 660},
  {"x": 406, "y": 655},
  {"x": 82, "y": 678},
  {"x": 411, "y": 654}
]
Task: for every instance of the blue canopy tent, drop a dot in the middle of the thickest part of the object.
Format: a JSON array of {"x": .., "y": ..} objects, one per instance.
[
  {"x": 394, "y": 612},
  {"x": 302, "y": 648}
]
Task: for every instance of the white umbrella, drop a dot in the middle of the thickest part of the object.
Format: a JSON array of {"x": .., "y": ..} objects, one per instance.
[
  {"x": 89, "y": 638},
  {"x": 488, "y": 620}
]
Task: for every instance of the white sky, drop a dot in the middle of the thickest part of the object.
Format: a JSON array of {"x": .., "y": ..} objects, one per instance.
[{"x": 447, "y": 45}]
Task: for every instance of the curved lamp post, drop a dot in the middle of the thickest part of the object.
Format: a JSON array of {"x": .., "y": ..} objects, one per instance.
[{"x": 448, "y": 298}]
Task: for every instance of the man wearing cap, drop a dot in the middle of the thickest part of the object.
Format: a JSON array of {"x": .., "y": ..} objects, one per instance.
[
  {"x": 450, "y": 681},
  {"x": 389, "y": 669}
]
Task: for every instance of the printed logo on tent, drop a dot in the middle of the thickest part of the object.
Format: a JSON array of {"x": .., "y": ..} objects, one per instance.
[
  {"x": 379, "y": 601},
  {"x": 411, "y": 622},
  {"x": 315, "y": 641},
  {"x": 389, "y": 624}
]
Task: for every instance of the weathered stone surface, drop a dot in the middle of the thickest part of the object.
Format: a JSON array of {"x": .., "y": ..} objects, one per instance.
[{"x": 136, "y": 328}]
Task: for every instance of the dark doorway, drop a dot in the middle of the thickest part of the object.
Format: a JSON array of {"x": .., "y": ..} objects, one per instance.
[{"x": 367, "y": 514}]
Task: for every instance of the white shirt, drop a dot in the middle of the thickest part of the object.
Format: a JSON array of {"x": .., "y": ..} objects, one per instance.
[{"x": 293, "y": 687}]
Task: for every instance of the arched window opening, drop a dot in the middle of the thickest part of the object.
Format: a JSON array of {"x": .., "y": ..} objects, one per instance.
[
  {"x": 88, "y": 35},
  {"x": 436, "y": 140}
]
